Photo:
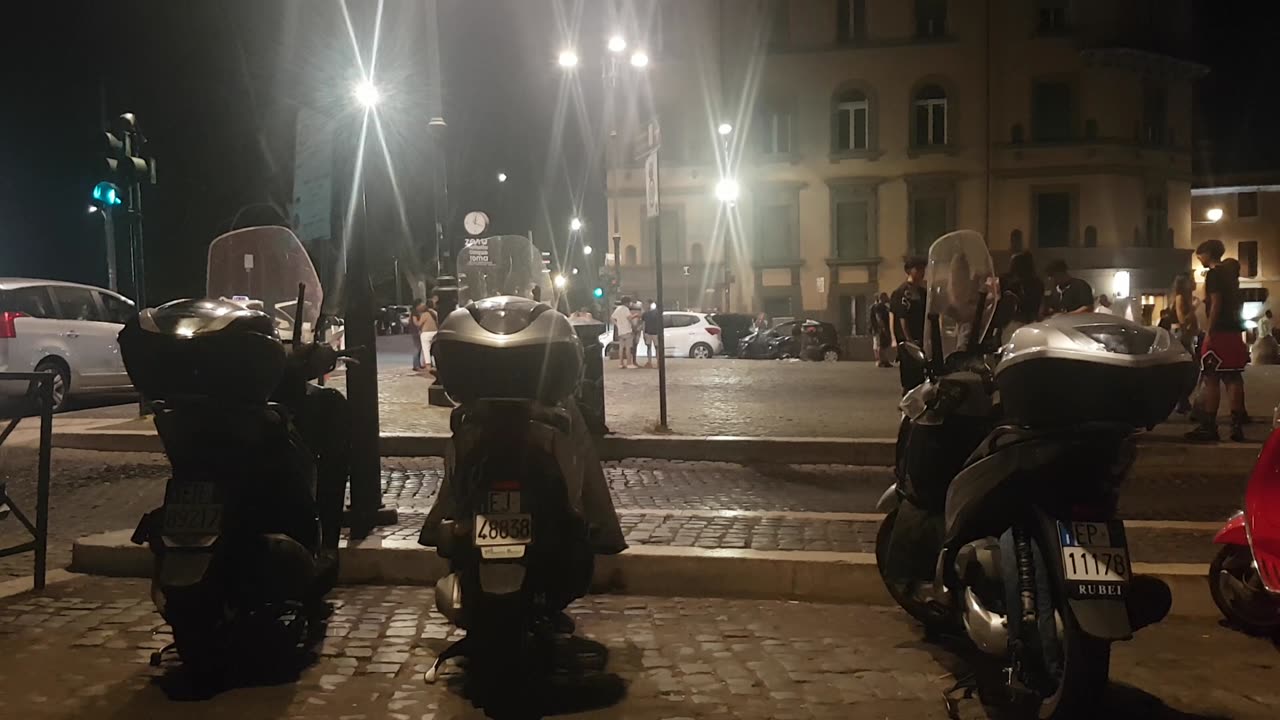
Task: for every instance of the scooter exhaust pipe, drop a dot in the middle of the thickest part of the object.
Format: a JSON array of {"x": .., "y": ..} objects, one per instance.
[{"x": 1149, "y": 601}]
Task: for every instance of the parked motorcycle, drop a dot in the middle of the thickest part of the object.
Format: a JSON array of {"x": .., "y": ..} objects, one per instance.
[
  {"x": 1002, "y": 522},
  {"x": 1244, "y": 578},
  {"x": 242, "y": 561},
  {"x": 524, "y": 507}
]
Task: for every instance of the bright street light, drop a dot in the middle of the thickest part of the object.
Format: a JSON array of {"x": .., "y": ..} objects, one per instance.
[
  {"x": 639, "y": 59},
  {"x": 502, "y": 177},
  {"x": 568, "y": 59},
  {"x": 560, "y": 281},
  {"x": 575, "y": 224},
  {"x": 724, "y": 129},
  {"x": 93, "y": 208},
  {"x": 617, "y": 44},
  {"x": 586, "y": 249},
  {"x": 1213, "y": 215},
  {"x": 727, "y": 190},
  {"x": 367, "y": 94},
  {"x": 575, "y": 271}
]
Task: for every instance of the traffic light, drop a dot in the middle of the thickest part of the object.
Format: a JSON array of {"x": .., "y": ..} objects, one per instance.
[
  {"x": 106, "y": 194},
  {"x": 123, "y": 163},
  {"x": 598, "y": 292}
]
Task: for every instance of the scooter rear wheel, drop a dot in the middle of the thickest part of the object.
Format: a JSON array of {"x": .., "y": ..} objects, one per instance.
[{"x": 1239, "y": 594}]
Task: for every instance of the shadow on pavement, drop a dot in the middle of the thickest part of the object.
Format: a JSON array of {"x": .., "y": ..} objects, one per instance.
[
  {"x": 577, "y": 682},
  {"x": 154, "y": 700}
]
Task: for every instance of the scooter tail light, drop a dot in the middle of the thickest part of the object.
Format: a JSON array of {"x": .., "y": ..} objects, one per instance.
[{"x": 508, "y": 485}]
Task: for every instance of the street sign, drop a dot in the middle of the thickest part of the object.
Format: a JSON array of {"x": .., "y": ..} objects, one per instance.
[
  {"x": 651, "y": 201},
  {"x": 475, "y": 222}
]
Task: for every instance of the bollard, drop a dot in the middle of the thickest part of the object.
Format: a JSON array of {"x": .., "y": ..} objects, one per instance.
[{"x": 590, "y": 395}]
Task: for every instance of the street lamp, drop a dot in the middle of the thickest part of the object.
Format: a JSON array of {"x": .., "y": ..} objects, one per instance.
[
  {"x": 727, "y": 190},
  {"x": 560, "y": 281},
  {"x": 725, "y": 128},
  {"x": 586, "y": 249},
  {"x": 367, "y": 94},
  {"x": 575, "y": 224},
  {"x": 568, "y": 59},
  {"x": 617, "y": 44},
  {"x": 1214, "y": 214},
  {"x": 502, "y": 177},
  {"x": 639, "y": 59}
]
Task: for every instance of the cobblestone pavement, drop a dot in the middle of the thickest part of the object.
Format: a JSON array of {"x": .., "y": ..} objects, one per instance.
[
  {"x": 750, "y": 398},
  {"x": 81, "y": 651},
  {"x": 95, "y": 492}
]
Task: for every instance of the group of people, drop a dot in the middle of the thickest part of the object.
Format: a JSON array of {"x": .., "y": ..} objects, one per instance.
[
  {"x": 633, "y": 322},
  {"x": 1211, "y": 329}
]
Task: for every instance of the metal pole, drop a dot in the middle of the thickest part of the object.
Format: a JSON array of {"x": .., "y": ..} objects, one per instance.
[
  {"x": 109, "y": 230},
  {"x": 396, "y": 262},
  {"x": 362, "y": 379},
  {"x": 42, "y": 480},
  {"x": 657, "y": 261}
]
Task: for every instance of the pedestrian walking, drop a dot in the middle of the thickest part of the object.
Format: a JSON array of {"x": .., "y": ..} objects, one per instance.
[
  {"x": 906, "y": 308},
  {"x": 414, "y": 333},
  {"x": 1186, "y": 328},
  {"x": 881, "y": 336},
  {"x": 621, "y": 319},
  {"x": 1224, "y": 356},
  {"x": 651, "y": 320},
  {"x": 428, "y": 324},
  {"x": 1070, "y": 295}
]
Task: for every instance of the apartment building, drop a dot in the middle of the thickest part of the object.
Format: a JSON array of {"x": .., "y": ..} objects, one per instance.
[{"x": 861, "y": 130}]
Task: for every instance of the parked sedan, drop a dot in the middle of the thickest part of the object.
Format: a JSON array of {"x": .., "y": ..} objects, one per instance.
[
  {"x": 67, "y": 329},
  {"x": 686, "y": 334},
  {"x": 814, "y": 340}
]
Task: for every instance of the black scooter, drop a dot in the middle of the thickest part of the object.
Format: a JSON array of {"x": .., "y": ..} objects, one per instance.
[{"x": 245, "y": 544}]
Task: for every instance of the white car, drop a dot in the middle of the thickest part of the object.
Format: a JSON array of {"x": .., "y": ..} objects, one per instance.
[
  {"x": 68, "y": 329},
  {"x": 686, "y": 334}
]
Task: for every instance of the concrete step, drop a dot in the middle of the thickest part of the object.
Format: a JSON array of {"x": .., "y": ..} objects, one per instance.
[{"x": 846, "y": 577}]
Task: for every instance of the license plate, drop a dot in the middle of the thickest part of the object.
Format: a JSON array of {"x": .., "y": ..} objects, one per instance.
[
  {"x": 1095, "y": 558},
  {"x": 506, "y": 529},
  {"x": 192, "y": 508},
  {"x": 502, "y": 502}
]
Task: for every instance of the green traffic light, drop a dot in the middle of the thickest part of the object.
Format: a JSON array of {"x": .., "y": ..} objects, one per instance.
[
  {"x": 107, "y": 194},
  {"x": 598, "y": 292}
]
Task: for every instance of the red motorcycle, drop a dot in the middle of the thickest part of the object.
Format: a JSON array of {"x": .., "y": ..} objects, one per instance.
[{"x": 1245, "y": 576}]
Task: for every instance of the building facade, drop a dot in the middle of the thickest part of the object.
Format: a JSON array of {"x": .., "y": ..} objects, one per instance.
[{"x": 861, "y": 130}]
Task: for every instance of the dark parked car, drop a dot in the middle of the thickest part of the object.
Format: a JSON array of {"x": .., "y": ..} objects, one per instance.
[
  {"x": 734, "y": 327},
  {"x": 805, "y": 339}
]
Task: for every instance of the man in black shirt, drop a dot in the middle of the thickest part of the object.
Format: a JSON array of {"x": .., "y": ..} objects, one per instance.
[
  {"x": 652, "y": 319},
  {"x": 906, "y": 306},
  {"x": 1070, "y": 294},
  {"x": 1224, "y": 355}
]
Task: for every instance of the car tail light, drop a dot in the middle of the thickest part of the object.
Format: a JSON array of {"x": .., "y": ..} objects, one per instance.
[
  {"x": 713, "y": 330},
  {"x": 7, "y": 327}
]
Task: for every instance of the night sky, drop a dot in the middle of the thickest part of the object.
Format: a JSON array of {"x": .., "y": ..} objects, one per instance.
[{"x": 212, "y": 83}]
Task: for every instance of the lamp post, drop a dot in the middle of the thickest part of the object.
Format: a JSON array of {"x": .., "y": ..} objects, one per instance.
[{"x": 727, "y": 191}]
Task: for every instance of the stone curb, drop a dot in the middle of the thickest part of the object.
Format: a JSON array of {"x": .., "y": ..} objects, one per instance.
[
  {"x": 646, "y": 570},
  {"x": 1155, "y": 455}
]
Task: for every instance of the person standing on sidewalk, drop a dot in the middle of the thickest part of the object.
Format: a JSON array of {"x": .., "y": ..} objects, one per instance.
[
  {"x": 428, "y": 324},
  {"x": 878, "y": 322},
  {"x": 652, "y": 320},
  {"x": 1186, "y": 327},
  {"x": 1224, "y": 356},
  {"x": 621, "y": 318},
  {"x": 906, "y": 307},
  {"x": 415, "y": 333},
  {"x": 1071, "y": 295}
]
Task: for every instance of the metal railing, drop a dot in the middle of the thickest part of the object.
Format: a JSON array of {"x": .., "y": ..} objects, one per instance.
[{"x": 40, "y": 395}]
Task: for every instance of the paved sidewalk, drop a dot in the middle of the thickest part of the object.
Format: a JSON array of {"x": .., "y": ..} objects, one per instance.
[
  {"x": 699, "y": 504},
  {"x": 81, "y": 651}
]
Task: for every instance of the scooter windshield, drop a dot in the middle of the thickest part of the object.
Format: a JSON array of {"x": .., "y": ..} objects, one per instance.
[
  {"x": 261, "y": 267},
  {"x": 960, "y": 271},
  {"x": 503, "y": 265}
]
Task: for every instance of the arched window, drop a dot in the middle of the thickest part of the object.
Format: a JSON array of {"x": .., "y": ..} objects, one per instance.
[
  {"x": 851, "y": 121},
  {"x": 695, "y": 254},
  {"x": 1015, "y": 241},
  {"x": 631, "y": 255},
  {"x": 930, "y": 116}
]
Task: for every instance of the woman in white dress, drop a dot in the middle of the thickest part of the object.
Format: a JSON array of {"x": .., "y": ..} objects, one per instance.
[{"x": 428, "y": 324}]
